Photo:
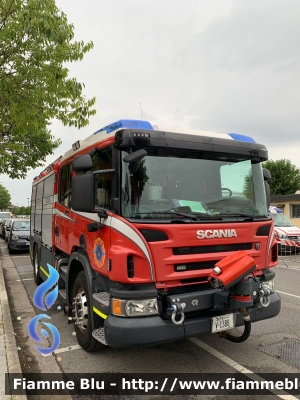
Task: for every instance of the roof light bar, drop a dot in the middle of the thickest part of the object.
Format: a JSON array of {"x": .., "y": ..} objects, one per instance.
[
  {"x": 242, "y": 138},
  {"x": 126, "y": 123}
]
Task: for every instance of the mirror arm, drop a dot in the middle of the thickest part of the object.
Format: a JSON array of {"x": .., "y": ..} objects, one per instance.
[{"x": 94, "y": 227}]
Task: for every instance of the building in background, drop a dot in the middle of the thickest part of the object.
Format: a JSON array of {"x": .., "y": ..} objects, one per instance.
[{"x": 289, "y": 204}]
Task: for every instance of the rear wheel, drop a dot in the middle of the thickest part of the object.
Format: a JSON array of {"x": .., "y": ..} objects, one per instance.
[
  {"x": 36, "y": 267},
  {"x": 82, "y": 315}
]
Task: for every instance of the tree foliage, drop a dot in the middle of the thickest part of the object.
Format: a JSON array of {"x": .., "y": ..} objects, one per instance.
[
  {"x": 4, "y": 198},
  {"x": 285, "y": 177},
  {"x": 36, "y": 41},
  {"x": 248, "y": 189},
  {"x": 21, "y": 211}
]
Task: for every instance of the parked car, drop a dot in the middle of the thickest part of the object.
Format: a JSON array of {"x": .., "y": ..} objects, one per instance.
[
  {"x": 4, "y": 215},
  {"x": 18, "y": 237},
  {"x": 5, "y": 227},
  {"x": 285, "y": 231}
]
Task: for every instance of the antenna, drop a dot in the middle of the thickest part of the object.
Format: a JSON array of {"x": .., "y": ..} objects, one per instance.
[{"x": 141, "y": 111}]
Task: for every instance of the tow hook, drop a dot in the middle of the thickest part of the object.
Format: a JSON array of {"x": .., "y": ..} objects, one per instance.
[
  {"x": 264, "y": 297},
  {"x": 174, "y": 310}
]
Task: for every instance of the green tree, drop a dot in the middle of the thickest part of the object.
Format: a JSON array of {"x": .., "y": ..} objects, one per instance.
[
  {"x": 285, "y": 177},
  {"x": 36, "y": 41},
  {"x": 22, "y": 210},
  {"x": 248, "y": 189},
  {"x": 4, "y": 198}
]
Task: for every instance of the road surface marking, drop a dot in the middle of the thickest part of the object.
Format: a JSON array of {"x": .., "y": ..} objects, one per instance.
[
  {"x": 289, "y": 294},
  {"x": 28, "y": 279},
  {"x": 63, "y": 350},
  {"x": 239, "y": 367}
]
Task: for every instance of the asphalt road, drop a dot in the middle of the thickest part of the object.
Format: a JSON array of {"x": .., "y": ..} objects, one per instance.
[{"x": 273, "y": 347}]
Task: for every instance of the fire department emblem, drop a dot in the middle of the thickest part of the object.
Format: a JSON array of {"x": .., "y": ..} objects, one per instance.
[{"x": 99, "y": 252}]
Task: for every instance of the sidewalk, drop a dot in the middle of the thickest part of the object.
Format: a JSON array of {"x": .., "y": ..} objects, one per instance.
[
  {"x": 14, "y": 302},
  {"x": 9, "y": 357}
]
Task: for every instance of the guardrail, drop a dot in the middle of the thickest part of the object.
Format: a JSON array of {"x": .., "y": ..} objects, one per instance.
[{"x": 288, "y": 252}]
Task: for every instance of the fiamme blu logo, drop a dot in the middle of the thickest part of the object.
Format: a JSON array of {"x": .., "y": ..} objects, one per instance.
[{"x": 44, "y": 298}]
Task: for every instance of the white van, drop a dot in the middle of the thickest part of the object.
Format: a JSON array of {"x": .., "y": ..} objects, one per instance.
[{"x": 285, "y": 230}]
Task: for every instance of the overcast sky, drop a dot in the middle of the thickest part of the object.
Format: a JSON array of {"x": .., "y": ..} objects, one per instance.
[{"x": 217, "y": 65}]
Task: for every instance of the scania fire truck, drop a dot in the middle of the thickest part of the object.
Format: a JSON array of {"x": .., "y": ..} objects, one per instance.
[{"x": 157, "y": 235}]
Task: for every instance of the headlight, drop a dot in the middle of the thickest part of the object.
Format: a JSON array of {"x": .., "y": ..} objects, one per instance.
[
  {"x": 15, "y": 237},
  {"x": 282, "y": 236},
  {"x": 134, "y": 308},
  {"x": 270, "y": 285}
]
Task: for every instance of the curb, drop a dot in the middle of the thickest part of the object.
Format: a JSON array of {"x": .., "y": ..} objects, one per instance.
[
  {"x": 10, "y": 346},
  {"x": 14, "y": 299}
]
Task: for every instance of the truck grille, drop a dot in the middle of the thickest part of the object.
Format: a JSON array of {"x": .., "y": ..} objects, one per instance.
[
  {"x": 179, "y": 251},
  {"x": 194, "y": 266}
]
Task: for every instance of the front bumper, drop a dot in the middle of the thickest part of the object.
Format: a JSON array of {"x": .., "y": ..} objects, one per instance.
[
  {"x": 138, "y": 332},
  {"x": 22, "y": 245}
]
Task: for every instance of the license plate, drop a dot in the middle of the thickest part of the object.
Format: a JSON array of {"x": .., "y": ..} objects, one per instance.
[
  {"x": 223, "y": 322},
  {"x": 26, "y": 243}
]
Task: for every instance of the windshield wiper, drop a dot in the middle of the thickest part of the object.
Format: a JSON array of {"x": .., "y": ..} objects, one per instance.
[
  {"x": 246, "y": 216},
  {"x": 179, "y": 213}
]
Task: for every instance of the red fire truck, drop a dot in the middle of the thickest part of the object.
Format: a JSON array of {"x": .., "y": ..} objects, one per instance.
[{"x": 157, "y": 235}]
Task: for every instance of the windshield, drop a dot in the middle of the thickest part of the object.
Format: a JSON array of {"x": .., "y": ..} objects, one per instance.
[
  {"x": 167, "y": 183},
  {"x": 21, "y": 226},
  {"x": 281, "y": 220}
]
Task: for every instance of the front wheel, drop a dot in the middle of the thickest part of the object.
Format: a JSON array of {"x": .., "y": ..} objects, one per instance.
[{"x": 82, "y": 315}]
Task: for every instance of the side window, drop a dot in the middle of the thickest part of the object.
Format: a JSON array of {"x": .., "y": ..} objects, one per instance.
[
  {"x": 64, "y": 195},
  {"x": 236, "y": 179},
  {"x": 102, "y": 160}
]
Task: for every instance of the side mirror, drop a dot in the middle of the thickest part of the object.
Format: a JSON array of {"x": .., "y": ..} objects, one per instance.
[
  {"x": 267, "y": 175},
  {"x": 82, "y": 163},
  {"x": 268, "y": 195},
  {"x": 135, "y": 156},
  {"x": 115, "y": 205},
  {"x": 83, "y": 193},
  {"x": 267, "y": 178}
]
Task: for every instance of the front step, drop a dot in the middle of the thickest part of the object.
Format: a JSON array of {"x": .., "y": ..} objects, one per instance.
[
  {"x": 101, "y": 302},
  {"x": 102, "y": 298},
  {"x": 63, "y": 293},
  {"x": 63, "y": 271},
  {"x": 99, "y": 335}
]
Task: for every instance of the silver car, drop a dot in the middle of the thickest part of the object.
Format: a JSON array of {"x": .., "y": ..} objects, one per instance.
[{"x": 18, "y": 237}]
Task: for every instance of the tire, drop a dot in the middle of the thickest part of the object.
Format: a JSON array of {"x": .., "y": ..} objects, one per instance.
[
  {"x": 82, "y": 309},
  {"x": 10, "y": 251},
  {"x": 36, "y": 267}
]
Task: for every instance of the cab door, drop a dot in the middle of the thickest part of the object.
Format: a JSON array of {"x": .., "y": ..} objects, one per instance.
[{"x": 64, "y": 223}]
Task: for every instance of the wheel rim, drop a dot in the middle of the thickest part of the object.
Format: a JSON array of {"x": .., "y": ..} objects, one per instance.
[{"x": 80, "y": 310}]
